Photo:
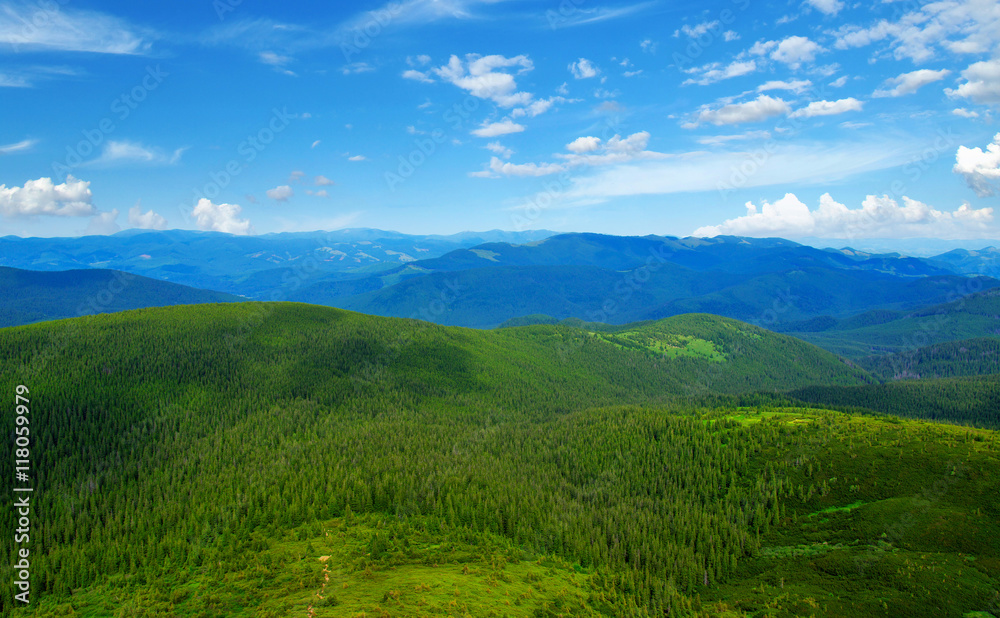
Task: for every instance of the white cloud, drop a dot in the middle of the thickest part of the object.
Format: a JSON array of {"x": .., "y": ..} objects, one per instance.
[
  {"x": 593, "y": 151},
  {"x": 584, "y": 151},
  {"x": 125, "y": 152},
  {"x": 484, "y": 77},
  {"x": 908, "y": 83},
  {"x": 506, "y": 168},
  {"x": 539, "y": 106},
  {"x": 356, "y": 67},
  {"x": 877, "y": 217},
  {"x": 797, "y": 86},
  {"x": 795, "y": 50},
  {"x": 957, "y": 27},
  {"x": 280, "y": 193},
  {"x": 648, "y": 46},
  {"x": 583, "y": 145},
  {"x": 18, "y": 146},
  {"x": 496, "y": 129},
  {"x": 273, "y": 59},
  {"x": 417, "y": 76},
  {"x": 314, "y": 144},
  {"x": 964, "y": 113},
  {"x": 761, "y": 108},
  {"x": 26, "y": 26},
  {"x": 730, "y": 35},
  {"x": 982, "y": 83},
  {"x": 583, "y": 69},
  {"x": 296, "y": 176},
  {"x": 500, "y": 150},
  {"x": 320, "y": 193},
  {"x": 696, "y": 31},
  {"x": 981, "y": 169},
  {"x": 828, "y": 108},
  {"x": 357, "y": 158},
  {"x": 221, "y": 218},
  {"x": 719, "y": 140},
  {"x": 786, "y": 163},
  {"x": 714, "y": 72},
  {"x": 148, "y": 220},
  {"x": 827, "y": 7},
  {"x": 42, "y": 197},
  {"x": 103, "y": 223},
  {"x": 839, "y": 82},
  {"x": 323, "y": 181}
]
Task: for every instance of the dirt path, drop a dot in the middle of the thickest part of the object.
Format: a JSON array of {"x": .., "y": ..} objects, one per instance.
[{"x": 326, "y": 580}]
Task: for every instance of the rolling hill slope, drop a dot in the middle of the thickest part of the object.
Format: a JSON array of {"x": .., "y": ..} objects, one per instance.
[
  {"x": 34, "y": 296},
  {"x": 904, "y": 331},
  {"x": 281, "y": 459}
]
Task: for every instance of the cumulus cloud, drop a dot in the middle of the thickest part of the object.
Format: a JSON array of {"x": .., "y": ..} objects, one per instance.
[
  {"x": 221, "y": 218},
  {"x": 583, "y": 69},
  {"x": 487, "y": 77},
  {"x": 981, "y": 169},
  {"x": 417, "y": 76},
  {"x": 357, "y": 158},
  {"x": 982, "y": 83},
  {"x": 583, "y": 151},
  {"x": 828, "y": 108},
  {"x": 827, "y": 7},
  {"x": 793, "y": 50},
  {"x": 797, "y": 86},
  {"x": 761, "y": 108},
  {"x": 103, "y": 223},
  {"x": 878, "y": 216},
  {"x": 959, "y": 27},
  {"x": 500, "y": 150},
  {"x": 280, "y": 193},
  {"x": 583, "y": 145},
  {"x": 965, "y": 113},
  {"x": 323, "y": 181},
  {"x": 697, "y": 30},
  {"x": 496, "y": 129},
  {"x": 505, "y": 168},
  {"x": 715, "y": 72},
  {"x": 148, "y": 220},
  {"x": 43, "y": 197},
  {"x": 908, "y": 83}
]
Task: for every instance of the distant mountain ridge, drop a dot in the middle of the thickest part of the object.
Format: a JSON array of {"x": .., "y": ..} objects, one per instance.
[{"x": 34, "y": 296}]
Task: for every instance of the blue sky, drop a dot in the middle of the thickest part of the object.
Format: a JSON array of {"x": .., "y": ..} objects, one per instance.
[{"x": 818, "y": 118}]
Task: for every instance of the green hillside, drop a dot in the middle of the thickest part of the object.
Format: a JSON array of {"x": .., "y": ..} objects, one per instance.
[
  {"x": 33, "y": 296},
  {"x": 969, "y": 357},
  {"x": 970, "y": 400},
  {"x": 888, "y": 332},
  {"x": 282, "y": 459}
]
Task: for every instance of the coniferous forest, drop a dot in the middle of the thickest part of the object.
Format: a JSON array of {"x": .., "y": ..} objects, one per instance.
[{"x": 281, "y": 459}]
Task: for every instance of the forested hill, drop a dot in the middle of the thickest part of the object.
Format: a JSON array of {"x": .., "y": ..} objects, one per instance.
[
  {"x": 281, "y": 459},
  {"x": 33, "y": 296}
]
